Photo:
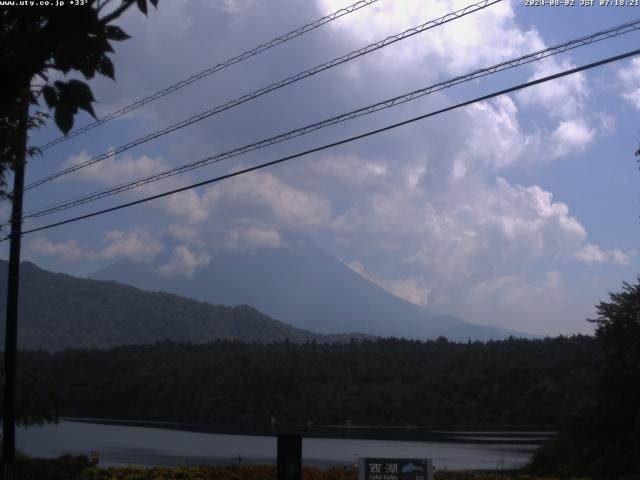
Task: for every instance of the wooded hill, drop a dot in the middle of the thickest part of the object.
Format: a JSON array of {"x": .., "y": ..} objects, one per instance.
[
  {"x": 517, "y": 384},
  {"x": 58, "y": 311}
]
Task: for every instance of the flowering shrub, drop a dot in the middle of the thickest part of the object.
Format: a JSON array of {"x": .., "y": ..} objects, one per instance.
[{"x": 262, "y": 472}]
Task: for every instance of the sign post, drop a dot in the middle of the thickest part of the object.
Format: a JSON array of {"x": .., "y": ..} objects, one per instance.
[
  {"x": 395, "y": 468},
  {"x": 289, "y": 457}
]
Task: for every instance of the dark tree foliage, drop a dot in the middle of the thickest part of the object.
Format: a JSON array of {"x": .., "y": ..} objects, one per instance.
[
  {"x": 603, "y": 438},
  {"x": 38, "y": 40},
  {"x": 437, "y": 384},
  {"x": 36, "y": 403}
]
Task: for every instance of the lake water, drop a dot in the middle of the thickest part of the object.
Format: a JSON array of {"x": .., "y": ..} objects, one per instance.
[{"x": 144, "y": 446}]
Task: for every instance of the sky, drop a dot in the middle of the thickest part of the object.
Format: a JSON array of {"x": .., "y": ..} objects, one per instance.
[{"x": 519, "y": 212}]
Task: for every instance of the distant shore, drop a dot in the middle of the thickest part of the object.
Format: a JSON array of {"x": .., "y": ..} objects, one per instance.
[{"x": 364, "y": 432}]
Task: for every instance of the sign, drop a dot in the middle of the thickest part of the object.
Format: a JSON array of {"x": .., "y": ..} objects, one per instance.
[{"x": 395, "y": 468}]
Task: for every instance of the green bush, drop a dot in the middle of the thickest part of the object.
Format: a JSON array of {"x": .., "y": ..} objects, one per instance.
[{"x": 63, "y": 468}]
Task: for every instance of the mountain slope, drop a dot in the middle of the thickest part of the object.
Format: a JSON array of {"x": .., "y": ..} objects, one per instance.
[
  {"x": 58, "y": 311},
  {"x": 305, "y": 287}
]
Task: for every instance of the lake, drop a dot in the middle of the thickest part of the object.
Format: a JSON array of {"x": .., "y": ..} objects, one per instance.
[{"x": 147, "y": 446}]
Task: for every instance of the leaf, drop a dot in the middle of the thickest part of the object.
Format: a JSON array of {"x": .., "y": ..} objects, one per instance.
[
  {"x": 154, "y": 3},
  {"x": 105, "y": 67},
  {"x": 80, "y": 90},
  {"x": 81, "y": 95},
  {"x": 113, "y": 32},
  {"x": 86, "y": 68},
  {"x": 64, "y": 119},
  {"x": 142, "y": 6},
  {"x": 62, "y": 61}
]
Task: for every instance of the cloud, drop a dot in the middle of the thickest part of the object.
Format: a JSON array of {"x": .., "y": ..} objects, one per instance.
[
  {"x": 250, "y": 212},
  {"x": 630, "y": 79},
  {"x": 502, "y": 223},
  {"x": 267, "y": 198},
  {"x": 571, "y": 136},
  {"x": 126, "y": 168},
  {"x": 410, "y": 289},
  {"x": 593, "y": 254},
  {"x": 533, "y": 306},
  {"x": 509, "y": 145},
  {"x": 116, "y": 169},
  {"x": 184, "y": 261},
  {"x": 513, "y": 292},
  {"x": 433, "y": 208},
  {"x": 137, "y": 243},
  {"x": 65, "y": 251},
  {"x": 462, "y": 247},
  {"x": 562, "y": 98},
  {"x": 473, "y": 41},
  {"x": 251, "y": 238},
  {"x": 350, "y": 170}
]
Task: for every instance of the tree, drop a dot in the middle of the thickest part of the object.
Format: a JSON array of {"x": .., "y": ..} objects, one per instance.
[
  {"x": 36, "y": 41},
  {"x": 603, "y": 438},
  {"x": 37, "y": 403}
]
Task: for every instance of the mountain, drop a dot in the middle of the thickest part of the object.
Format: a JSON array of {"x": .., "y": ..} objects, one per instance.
[
  {"x": 304, "y": 286},
  {"x": 58, "y": 311}
]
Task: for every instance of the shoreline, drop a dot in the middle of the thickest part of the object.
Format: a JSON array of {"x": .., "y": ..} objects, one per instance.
[{"x": 352, "y": 432}]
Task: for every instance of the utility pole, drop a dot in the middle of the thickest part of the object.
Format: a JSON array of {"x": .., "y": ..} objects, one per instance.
[{"x": 13, "y": 283}]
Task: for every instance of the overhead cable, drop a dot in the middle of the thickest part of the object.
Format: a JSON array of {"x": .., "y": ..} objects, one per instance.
[
  {"x": 334, "y": 144},
  {"x": 522, "y": 60},
  {"x": 211, "y": 70},
  {"x": 274, "y": 86}
]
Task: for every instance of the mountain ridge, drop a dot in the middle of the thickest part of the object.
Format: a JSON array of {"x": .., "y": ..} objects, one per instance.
[
  {"x": 306, "y": 287},
  {"x": 59, "y": 311}
]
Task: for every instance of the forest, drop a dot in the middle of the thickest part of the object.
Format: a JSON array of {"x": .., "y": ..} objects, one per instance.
[{"x": 514, "y": 384}]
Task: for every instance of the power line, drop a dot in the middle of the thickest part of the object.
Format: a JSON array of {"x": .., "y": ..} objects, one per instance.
[
  {"x": 274, "y": 86},
  {"x": 211, "y": 70},
  {"x": 525, "y": 59},
  {"x": 340, "y": 142}
]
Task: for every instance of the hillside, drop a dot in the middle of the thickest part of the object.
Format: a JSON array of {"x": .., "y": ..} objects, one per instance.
[
  {"x": 304, "y": 286},
  {"x": 58, "y": 311}
]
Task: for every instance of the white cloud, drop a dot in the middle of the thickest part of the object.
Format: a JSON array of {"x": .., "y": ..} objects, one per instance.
[
  {"x": 267, "y": 198},
  {"x": 474, "y": 237},
  {"x": 350, "y": 169},
  {"x": 187, "y": 206},
  {"x": 431, "y": 208},
  {"x": 509, "y": 145},
  {"x": 533, "y": 306},
  {"x": 510, "y": 291},
  {"x": 251, "y": 237},
  {"x": 116, "y": 169},
  {"x": 473, "y": 41},
  {"x": 571, "y": 136},
  {"x": 137, "y": 243},
  {"x": 410, "y": 289},
  {"x": 630, "y": 78},
  {"x": 184, "y": 261},
  {"x": 65, "y": 251},
  {"x": 498, "y": 224},
  {"x": 593, "y": 254},
  {"x": 562, "y": 98}
]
